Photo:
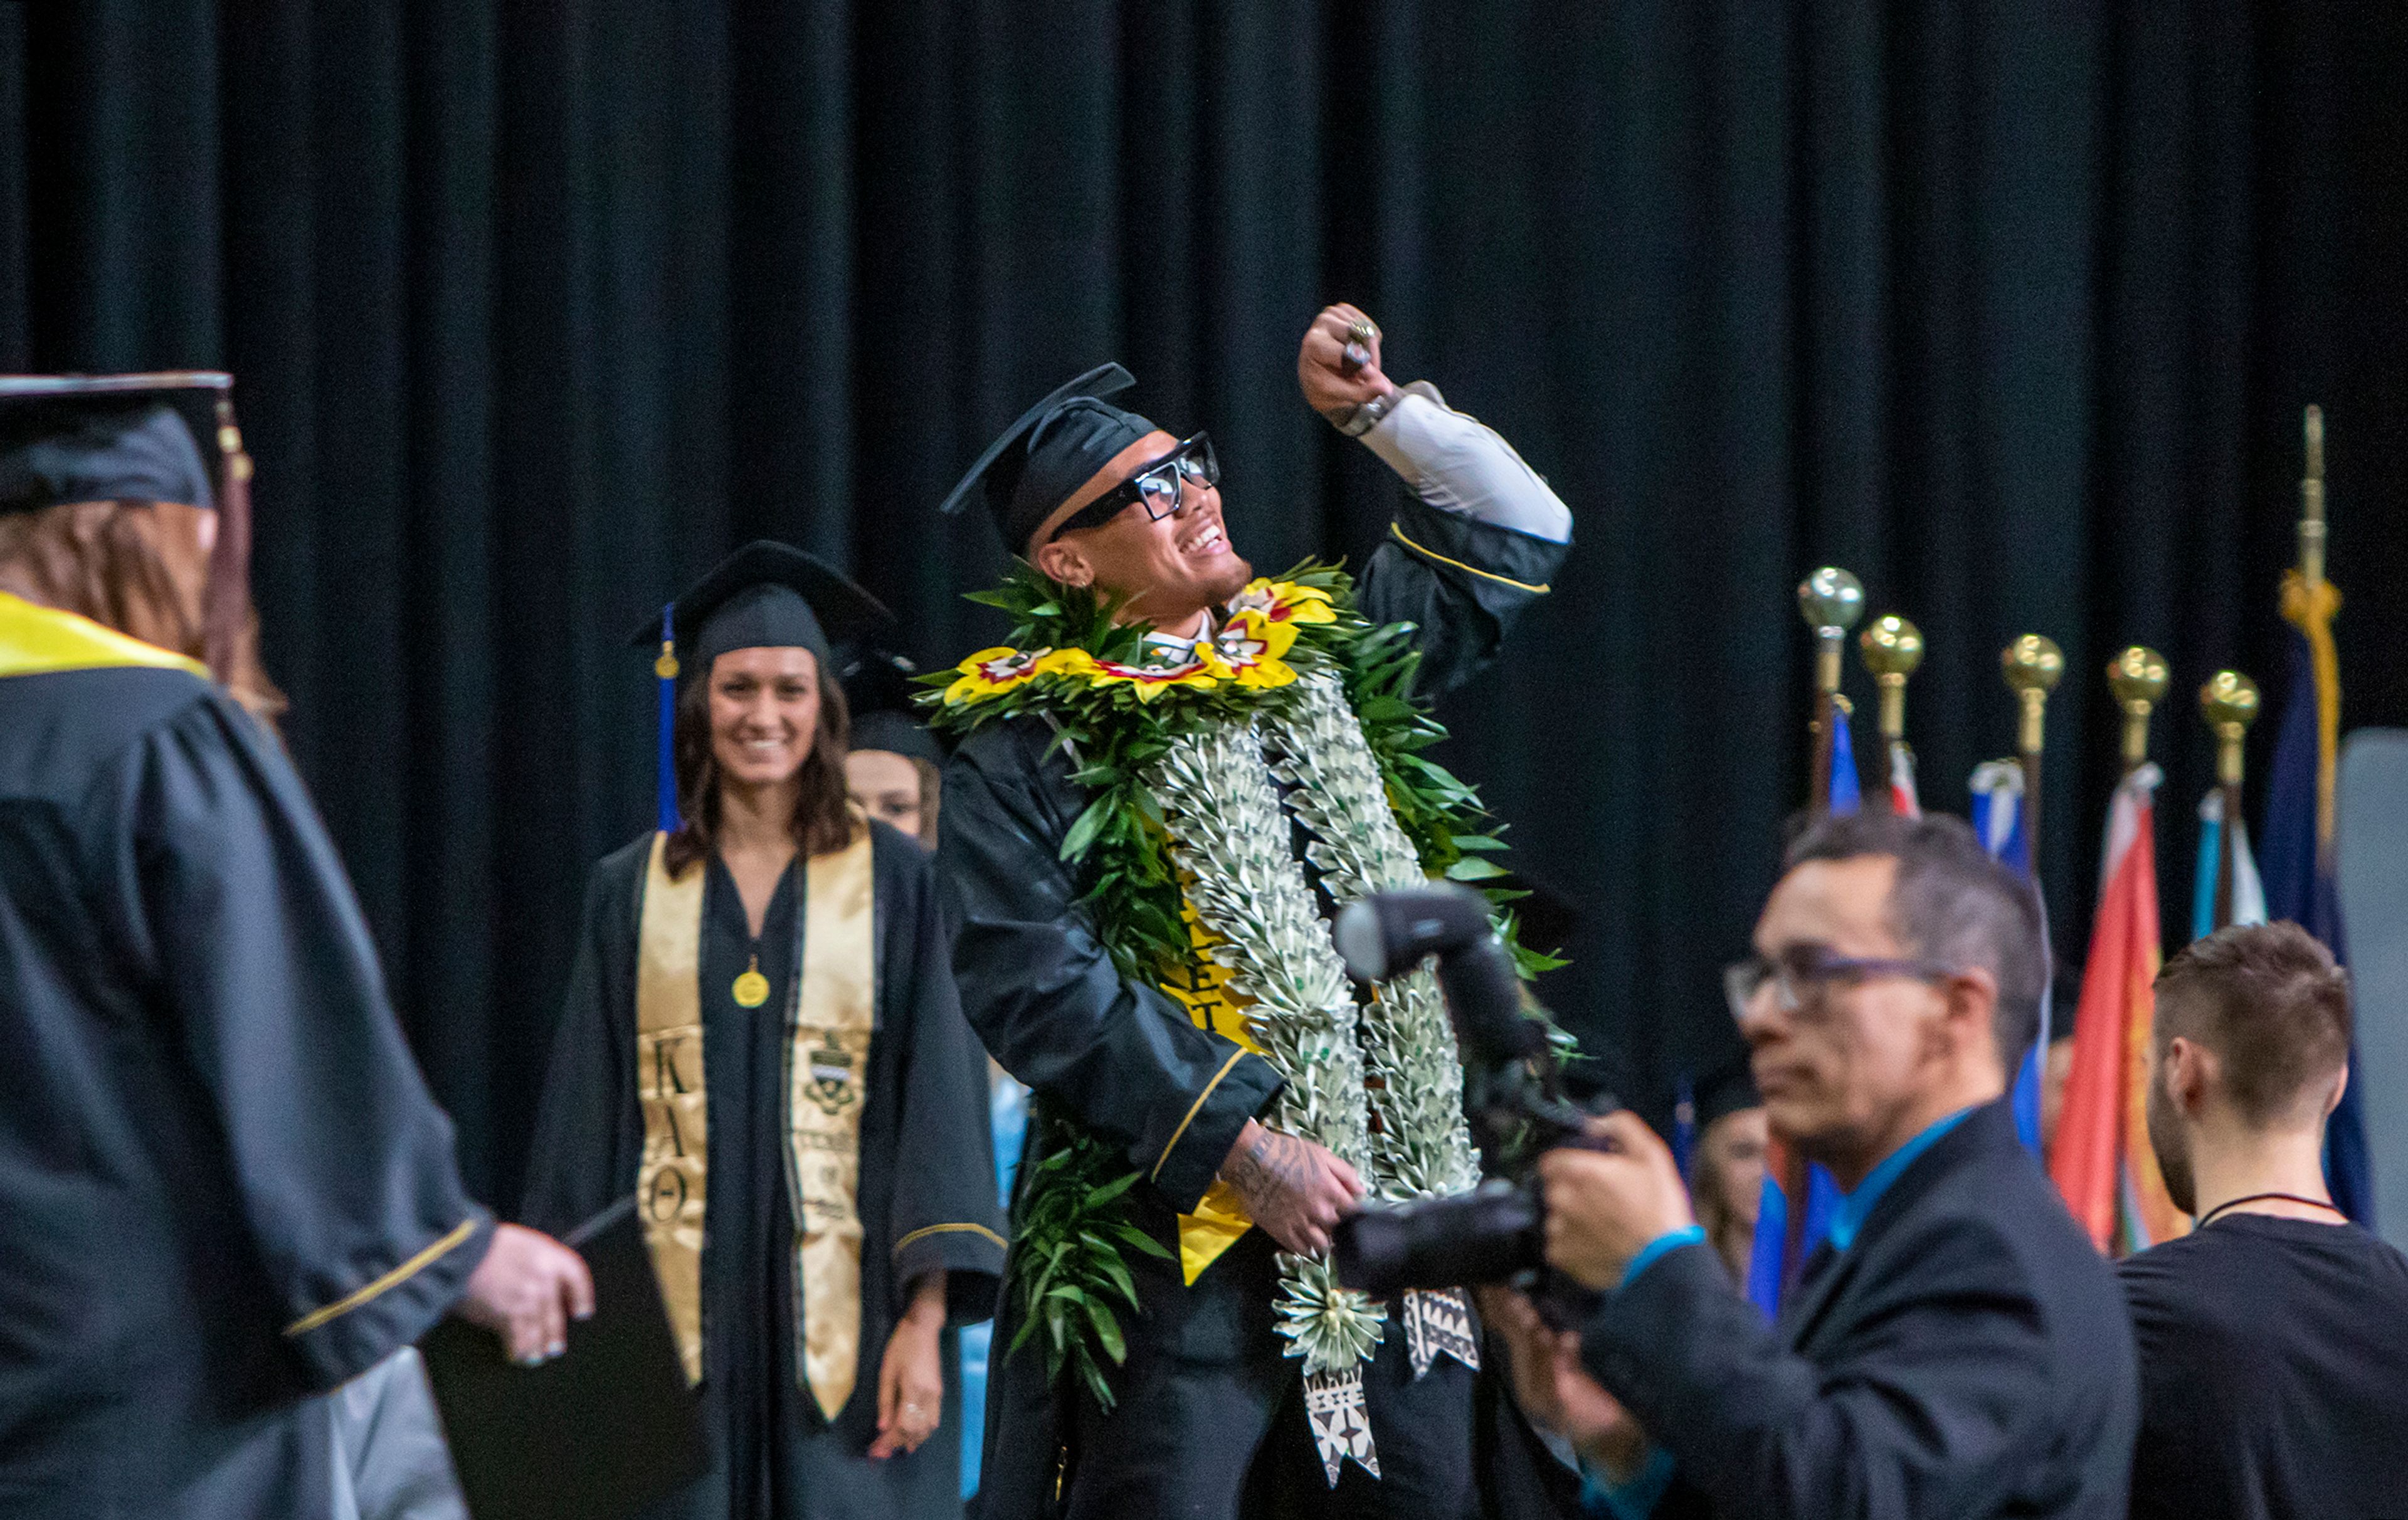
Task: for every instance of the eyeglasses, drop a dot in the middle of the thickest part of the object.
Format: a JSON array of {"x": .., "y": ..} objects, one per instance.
[
  {"x": 1158, "y": 486},
  {"x": 1801, "y": 972}
]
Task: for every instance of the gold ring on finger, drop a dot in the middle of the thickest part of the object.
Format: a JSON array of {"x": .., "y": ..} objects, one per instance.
[{"x": 1361, "y": 330}]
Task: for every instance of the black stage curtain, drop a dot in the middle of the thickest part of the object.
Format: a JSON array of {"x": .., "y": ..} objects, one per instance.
[{"x": 540, "y": 308}]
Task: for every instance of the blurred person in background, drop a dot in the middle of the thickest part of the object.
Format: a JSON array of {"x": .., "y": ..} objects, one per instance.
[
  {"x": 2274, "y": 1338},
  {"x": 893, "y": 766},
  {"x": 224, "y": 1186},
  {"x": 1727, "y": 1184}
]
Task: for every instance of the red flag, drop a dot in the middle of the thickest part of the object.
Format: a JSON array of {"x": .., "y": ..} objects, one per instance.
[
  {"x": 2100, "y": 1159},
  {"x": 1902, "y": 799}
]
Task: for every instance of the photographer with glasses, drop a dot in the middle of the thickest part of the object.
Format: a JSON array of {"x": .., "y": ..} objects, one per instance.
[{"x": 1955, "y": 1348}]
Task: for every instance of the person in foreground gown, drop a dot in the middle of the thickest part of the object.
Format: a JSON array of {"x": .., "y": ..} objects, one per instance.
[
  {"x": 762, "y": 1040},
  {"x": 224, "y": 1187}
]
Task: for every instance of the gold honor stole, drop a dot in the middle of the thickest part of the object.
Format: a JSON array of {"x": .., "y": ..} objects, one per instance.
[
  {"x": 1201, "y": 988},
  {"x": 830, "y": 1017}
]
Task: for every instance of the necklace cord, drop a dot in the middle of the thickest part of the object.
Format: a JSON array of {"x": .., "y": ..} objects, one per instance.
[{"x": 2230, "y": 1204}]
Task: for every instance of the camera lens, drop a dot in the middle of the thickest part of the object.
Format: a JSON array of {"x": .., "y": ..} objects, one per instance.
[{"x": 1485, "y": 1235}]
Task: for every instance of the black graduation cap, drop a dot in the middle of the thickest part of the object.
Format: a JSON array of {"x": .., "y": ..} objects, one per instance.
[
  {"x": 109, "y": 437},
  {"x": 1057, "y": 445},
  {"x": 138, "y": 438},
  {"x": 764, "y": 595},
  {"x": 878, "y": 692}
]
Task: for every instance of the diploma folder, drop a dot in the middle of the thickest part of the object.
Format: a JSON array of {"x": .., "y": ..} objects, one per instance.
[{"x": 597, "y": 1433}]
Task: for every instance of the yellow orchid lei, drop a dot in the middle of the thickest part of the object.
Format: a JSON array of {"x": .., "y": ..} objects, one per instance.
[{"x": 1249, "y": 651}]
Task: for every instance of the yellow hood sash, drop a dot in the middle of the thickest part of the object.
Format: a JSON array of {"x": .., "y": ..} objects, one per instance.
[{"x": 38, "y": 640}]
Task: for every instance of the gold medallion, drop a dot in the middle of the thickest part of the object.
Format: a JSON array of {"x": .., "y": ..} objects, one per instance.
[{"x": 752, "y": 989}]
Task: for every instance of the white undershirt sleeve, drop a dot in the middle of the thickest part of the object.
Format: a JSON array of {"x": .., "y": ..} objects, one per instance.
[{"x": 1457, "y": 463}]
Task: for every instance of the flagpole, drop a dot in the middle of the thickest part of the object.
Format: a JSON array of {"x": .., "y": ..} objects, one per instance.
[
  {"x": 2311, "y": 499},
  {"x": 2137, "y": 678},
  {"x": 2032, "y": 665},
  {"x": 1830, "y": 600},
  {"x": 1892, "y": 648},
  {"x": 2228, "y": 701}
]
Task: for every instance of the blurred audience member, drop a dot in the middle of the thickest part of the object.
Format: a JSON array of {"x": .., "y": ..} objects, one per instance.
[
  {"x": 1727, "y": 1182},
  {"x": 2274, "y": 1338},
  {"x": 1956, "y": 1347}
]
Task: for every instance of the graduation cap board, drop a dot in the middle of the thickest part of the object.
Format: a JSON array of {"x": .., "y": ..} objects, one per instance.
[
  {"x": 137, "y": 438},
  {"x": 878, "y": 692},
  {"x": 764, "y": 595},
  {"x": 1039, "y": 462}
]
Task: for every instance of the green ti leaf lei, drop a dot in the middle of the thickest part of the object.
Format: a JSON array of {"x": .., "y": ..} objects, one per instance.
[{"x": 1192, "y": 885}]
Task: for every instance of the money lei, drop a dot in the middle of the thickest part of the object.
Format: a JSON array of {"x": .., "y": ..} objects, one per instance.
[
  {"x": 1230, "y": 841},
  {"x": 1420, "y": 1145}
]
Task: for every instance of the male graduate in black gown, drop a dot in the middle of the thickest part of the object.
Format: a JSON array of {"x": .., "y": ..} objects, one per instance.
[
  {"x": 797, "y": 944},
  {"x": 1209, "y": 1420},
  {"x": 222, "y": 1186}
]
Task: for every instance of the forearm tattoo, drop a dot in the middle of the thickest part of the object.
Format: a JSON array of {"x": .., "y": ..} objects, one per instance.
[{"x": 1274, "y": 1163}]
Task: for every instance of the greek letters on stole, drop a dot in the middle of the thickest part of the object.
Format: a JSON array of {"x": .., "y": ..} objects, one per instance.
[{"x": 830, "y": 1013}]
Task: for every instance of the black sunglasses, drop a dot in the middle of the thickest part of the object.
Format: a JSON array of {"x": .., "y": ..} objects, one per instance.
[{"x": 1157, "y": 486}]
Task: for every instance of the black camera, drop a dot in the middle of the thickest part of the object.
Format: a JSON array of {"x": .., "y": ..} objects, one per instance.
[{"x": 1496, "y": 1232}]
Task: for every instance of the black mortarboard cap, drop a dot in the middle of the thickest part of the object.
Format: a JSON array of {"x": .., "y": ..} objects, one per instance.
[
  {"x": 1041, "y": 461},
  {"x": 878, "y": 692},
  {"x": 107, "y": 437},
  {"x": 764, "y": 595}
]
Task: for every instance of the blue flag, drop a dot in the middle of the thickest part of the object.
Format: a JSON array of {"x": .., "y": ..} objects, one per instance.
[
  {"x": 2295, "y": 856},
  {"x": 1998, "y": 821},
  {"x": 1772, "y": 1260}
]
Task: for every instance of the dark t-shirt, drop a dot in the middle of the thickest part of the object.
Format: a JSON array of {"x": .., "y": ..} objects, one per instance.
[{"x": 2273, "y": 1373}]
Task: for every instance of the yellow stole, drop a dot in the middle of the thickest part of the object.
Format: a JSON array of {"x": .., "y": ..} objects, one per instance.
[
  {"x": 36, "y": 640},
  {"x": 831, "y": 1014}
]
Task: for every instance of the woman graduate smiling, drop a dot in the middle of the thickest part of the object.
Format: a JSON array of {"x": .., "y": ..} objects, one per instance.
[{"x": 762, "y": 1040}]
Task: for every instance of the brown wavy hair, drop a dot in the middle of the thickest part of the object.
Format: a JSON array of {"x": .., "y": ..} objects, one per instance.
[
  {"x": 822, "y": 823},
  {"x": 136, "y": 566}
]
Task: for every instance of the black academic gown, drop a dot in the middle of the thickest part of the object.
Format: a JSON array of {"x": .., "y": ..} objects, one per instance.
[
  {"x": 222, "y": 1184},
  {"x": 1967, "y": 1356},
  {"x": 1205, "y": 1388},
  {"x": 926, "y": 1161}
]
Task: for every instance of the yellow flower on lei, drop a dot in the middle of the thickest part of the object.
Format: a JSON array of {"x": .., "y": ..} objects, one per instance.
[
  {"x": 1251, "y": 647},
  {"x": 1284, "y": 602},
  {"x": 991, "y": 672},
  {"x": 1148, "y": 681}
]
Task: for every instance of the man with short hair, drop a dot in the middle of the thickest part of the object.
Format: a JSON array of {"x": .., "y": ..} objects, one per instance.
[
  {"x": 1954, "y": 1348},
  {"x": 1205, "y": 1401},
  {"x": 2274, "y": 1338}
]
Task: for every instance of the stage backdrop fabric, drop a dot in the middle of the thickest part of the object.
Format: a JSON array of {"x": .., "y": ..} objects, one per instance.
[{"x": 540, "y": 308}]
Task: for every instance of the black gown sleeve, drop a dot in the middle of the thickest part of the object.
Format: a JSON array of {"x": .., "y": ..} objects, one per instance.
[
  {"x": 1046, "y": 998},
  {"x": 343, "y": 1164},
  {"x": 1460, "y": 581},
  {"x": 589, "y": 1137},
  {"x": 944, "y": 1214}
]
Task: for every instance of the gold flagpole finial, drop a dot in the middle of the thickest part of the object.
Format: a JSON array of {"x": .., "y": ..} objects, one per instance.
[
  {"x": 1830, "y": 600},
  {"x": 2311, "y": 499},
  {"x": 2229, "y": 702},
  {"x": 2137, "y": 678},
  {"x": 1892, "y": 647},
  {"x": 2032, "y": 665}
]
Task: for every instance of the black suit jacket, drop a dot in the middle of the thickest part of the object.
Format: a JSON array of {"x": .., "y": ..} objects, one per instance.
[{"x": 1967, "y": 1356}]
